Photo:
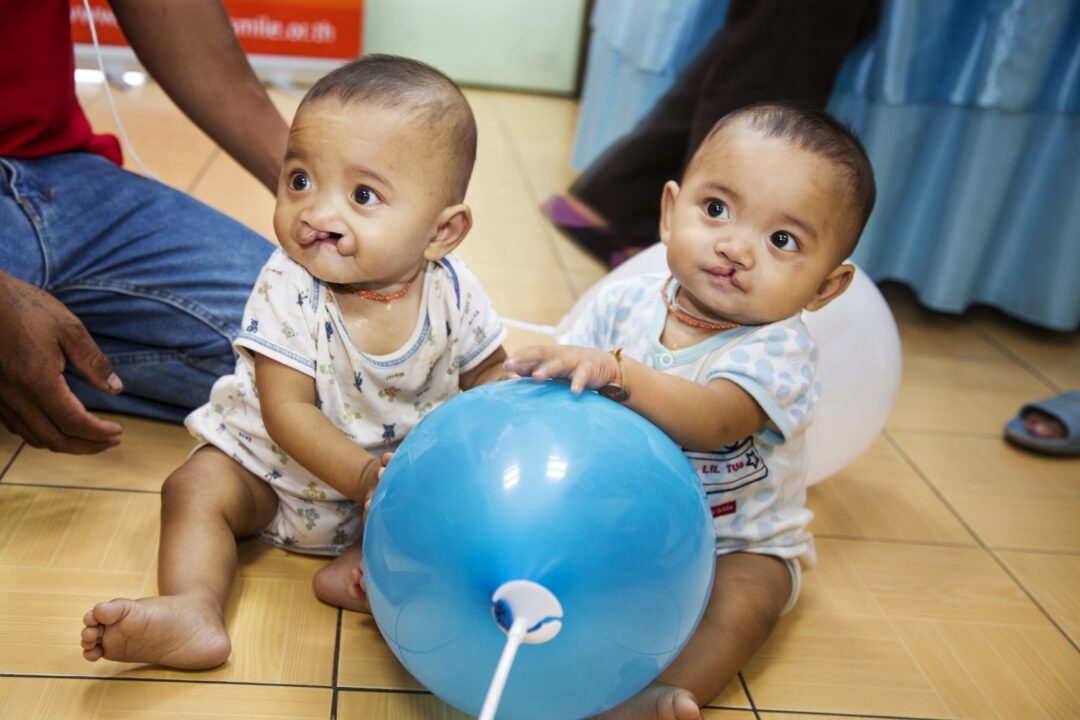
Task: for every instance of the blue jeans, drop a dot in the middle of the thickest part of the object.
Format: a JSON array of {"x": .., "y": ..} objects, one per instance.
[{"x": 159, "y": 279}]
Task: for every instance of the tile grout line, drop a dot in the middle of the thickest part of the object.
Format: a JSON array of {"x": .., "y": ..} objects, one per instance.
[
  {"x": 546, "y": 227},
  {"x": 825, "y": 714},
  {"x": 174, "y": 681},
  {"x": 746, "y": 691},
  {"x": 46, "y": 486},
  {"x": 1017, "y": 359},
  {"x": 979, "y": 539},
  {"x": 337, "y": 659},
  {"x": 14, "y": 455}
]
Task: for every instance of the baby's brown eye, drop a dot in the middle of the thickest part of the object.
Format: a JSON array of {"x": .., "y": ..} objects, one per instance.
[
  {"x": 299, "y": 181},
  {"x": 363, "y": 195},
  {"x": 716, "y": 209},
  {"x": 783, "y": 240}
]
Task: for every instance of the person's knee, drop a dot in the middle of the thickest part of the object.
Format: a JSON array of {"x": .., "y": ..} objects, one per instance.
[
  {"x": 184, "y": 486},
  {"x": 757, "y": 588}
]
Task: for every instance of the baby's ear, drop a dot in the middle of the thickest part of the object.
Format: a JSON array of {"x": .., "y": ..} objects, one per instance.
[
  {"x": 667, "y": 209},
  {"x": 832, "y": 287},
  {"x": 452, "y": 225}
]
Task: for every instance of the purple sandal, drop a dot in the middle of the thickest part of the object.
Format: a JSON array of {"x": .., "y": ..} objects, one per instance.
[{"x": 601, "y": 241}]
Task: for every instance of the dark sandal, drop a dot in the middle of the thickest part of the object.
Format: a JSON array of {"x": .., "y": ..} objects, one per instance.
[{"x": 1065, "y": 408}]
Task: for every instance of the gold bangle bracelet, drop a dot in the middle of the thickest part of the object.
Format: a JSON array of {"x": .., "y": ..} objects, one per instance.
[{"x": 618, "y": 390}]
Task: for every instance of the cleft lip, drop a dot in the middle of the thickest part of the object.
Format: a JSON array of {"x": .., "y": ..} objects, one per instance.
[
  {"x": 725, "y": 274},
  {"x": 312, "y": 236}
]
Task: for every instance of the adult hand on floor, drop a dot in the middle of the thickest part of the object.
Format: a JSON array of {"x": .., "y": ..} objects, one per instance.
[{"x": 40, "y": 338}]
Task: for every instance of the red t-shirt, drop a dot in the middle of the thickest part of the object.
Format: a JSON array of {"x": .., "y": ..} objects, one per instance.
[{"x": 39, "y": 113}]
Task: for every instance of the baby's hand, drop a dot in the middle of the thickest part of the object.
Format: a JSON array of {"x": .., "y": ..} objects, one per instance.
[
  {"x": 586, "y": 367},
  {"x": 383, "y": 462}
]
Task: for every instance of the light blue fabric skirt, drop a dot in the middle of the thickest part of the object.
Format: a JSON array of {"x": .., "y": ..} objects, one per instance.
[{"x": 970, "y": 111}]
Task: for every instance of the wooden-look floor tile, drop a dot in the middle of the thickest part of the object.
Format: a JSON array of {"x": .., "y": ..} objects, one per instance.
[
  {"x": 1011, "y": 498},
  {"x": 513, "y": 244},
  {"x": 169, "y": 144},
  {"x": 944, "y": 394},
  {"x": 879, "y": 496},
  {"x": 733, "y": 696},
  {"x": 578, "y": 261},
  {"x": 9, "y": 443},
  {"x": 353, "y": 705},
  {"x": 992, "y": 670},
  {"x": 229, "y": 188},
  {"x": 61, "y": 529},
  {"x": 148, "y": 452},
  {"x": 366, "y": 661},
  {"x": 493, "y": 200},
  {"x": 1054, "y": 582},
  {"x": 728, "y": 714},
  {"x": 846, "y": 648},
  {"x": 925, "y": 332},
  {"x": 531, "y": 296},
  {"x": 1056, "y": 355},
  {"x": 48, "y": 698},
  {"x": 65, "y": 550}
]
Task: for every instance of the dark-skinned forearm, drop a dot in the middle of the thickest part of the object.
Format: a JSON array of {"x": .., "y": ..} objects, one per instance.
[{"x": 189, "y": 47}]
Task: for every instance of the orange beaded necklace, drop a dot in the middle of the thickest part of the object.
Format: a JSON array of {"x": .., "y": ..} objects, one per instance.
[
  {"x": 686, "y": 318},
  {"x": 390, "y": 297}
]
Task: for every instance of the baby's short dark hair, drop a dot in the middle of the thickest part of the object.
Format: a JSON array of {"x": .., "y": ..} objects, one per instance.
[
  {"x": 421, "y": 92},
  {"x": 817, "y": 132}
]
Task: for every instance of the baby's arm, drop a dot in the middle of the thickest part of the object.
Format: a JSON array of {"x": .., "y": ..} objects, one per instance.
[
  {"x": 489, "y": 370},
  {"x": 300, "y": 428},
  {"x": 698, "y": 417}
]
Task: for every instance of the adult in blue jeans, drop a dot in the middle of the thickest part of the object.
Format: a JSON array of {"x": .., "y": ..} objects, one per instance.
[{"x": 118, "y": 293}]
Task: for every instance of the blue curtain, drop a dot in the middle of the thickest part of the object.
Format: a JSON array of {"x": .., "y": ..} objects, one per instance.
[{"x": 970, "y": 111}]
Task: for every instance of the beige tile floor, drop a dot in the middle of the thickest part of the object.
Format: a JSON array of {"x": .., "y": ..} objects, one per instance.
[{"x": 949, "y": 571}]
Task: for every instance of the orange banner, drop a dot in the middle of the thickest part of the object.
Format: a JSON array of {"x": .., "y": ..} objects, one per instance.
[{"x": 293, "y": 28}]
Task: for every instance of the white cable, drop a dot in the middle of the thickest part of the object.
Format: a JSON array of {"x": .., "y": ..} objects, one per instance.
[
  {"x": 520, "y": 324},
  {"x": 502, "y": 671},
  {"x": 533, "y": 327},
  {"x": 109, "y": 97}
]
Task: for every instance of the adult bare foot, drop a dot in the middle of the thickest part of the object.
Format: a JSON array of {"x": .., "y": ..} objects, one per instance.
[
  {"x": 657, "y": 702},
  {"x": 176, "y": 631},
  {"x": 340, "y": 583},
  {"x": 1042, "y": 425}
]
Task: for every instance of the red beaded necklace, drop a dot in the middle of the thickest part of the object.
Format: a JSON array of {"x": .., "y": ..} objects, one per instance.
[
  {"x": 390, "y": 297},
  {"x": 686, "y": 318}
]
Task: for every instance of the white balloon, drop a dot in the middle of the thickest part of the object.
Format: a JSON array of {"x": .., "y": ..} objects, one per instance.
[{"x": 858, "y": 366}]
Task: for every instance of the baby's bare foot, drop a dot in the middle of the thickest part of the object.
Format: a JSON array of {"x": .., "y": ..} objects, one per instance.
[
  {"x": 341, "y": 583},
  {"x": 175, "y": 631},
  {"x": 657, "y": 702}
]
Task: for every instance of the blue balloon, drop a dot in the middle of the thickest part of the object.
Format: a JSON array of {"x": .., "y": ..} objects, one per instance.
[{"x": 523, "y": 480}]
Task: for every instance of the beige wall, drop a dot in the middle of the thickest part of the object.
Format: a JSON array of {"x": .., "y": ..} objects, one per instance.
[{"x": 519, "y": 44}]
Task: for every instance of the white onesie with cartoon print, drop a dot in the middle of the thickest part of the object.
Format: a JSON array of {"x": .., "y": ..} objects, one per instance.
[
  {"x": 293, "y": 318},
  {"x": 756, "y": 487}
]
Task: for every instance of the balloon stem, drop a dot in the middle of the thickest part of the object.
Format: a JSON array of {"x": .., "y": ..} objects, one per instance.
[{"x": 513, "y": 641}]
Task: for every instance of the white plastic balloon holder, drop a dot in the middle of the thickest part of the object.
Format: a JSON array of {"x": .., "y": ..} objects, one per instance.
[{"x": 528, "y": 613}]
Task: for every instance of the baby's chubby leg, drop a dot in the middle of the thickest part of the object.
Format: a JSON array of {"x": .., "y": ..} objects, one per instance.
[
  {"x": 206, "y": 504},
  {"x": 749, "y": 593}
]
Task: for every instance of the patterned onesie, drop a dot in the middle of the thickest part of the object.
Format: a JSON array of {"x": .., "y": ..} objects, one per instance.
[
  {"x": 756, "y": 487},
  {"x": 293, "y": 318}
]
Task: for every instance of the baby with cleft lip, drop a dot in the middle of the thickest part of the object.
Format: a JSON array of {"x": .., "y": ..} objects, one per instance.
[
  {"x": 359, "y": 325},
  {"x": 716, "y": 354}
]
